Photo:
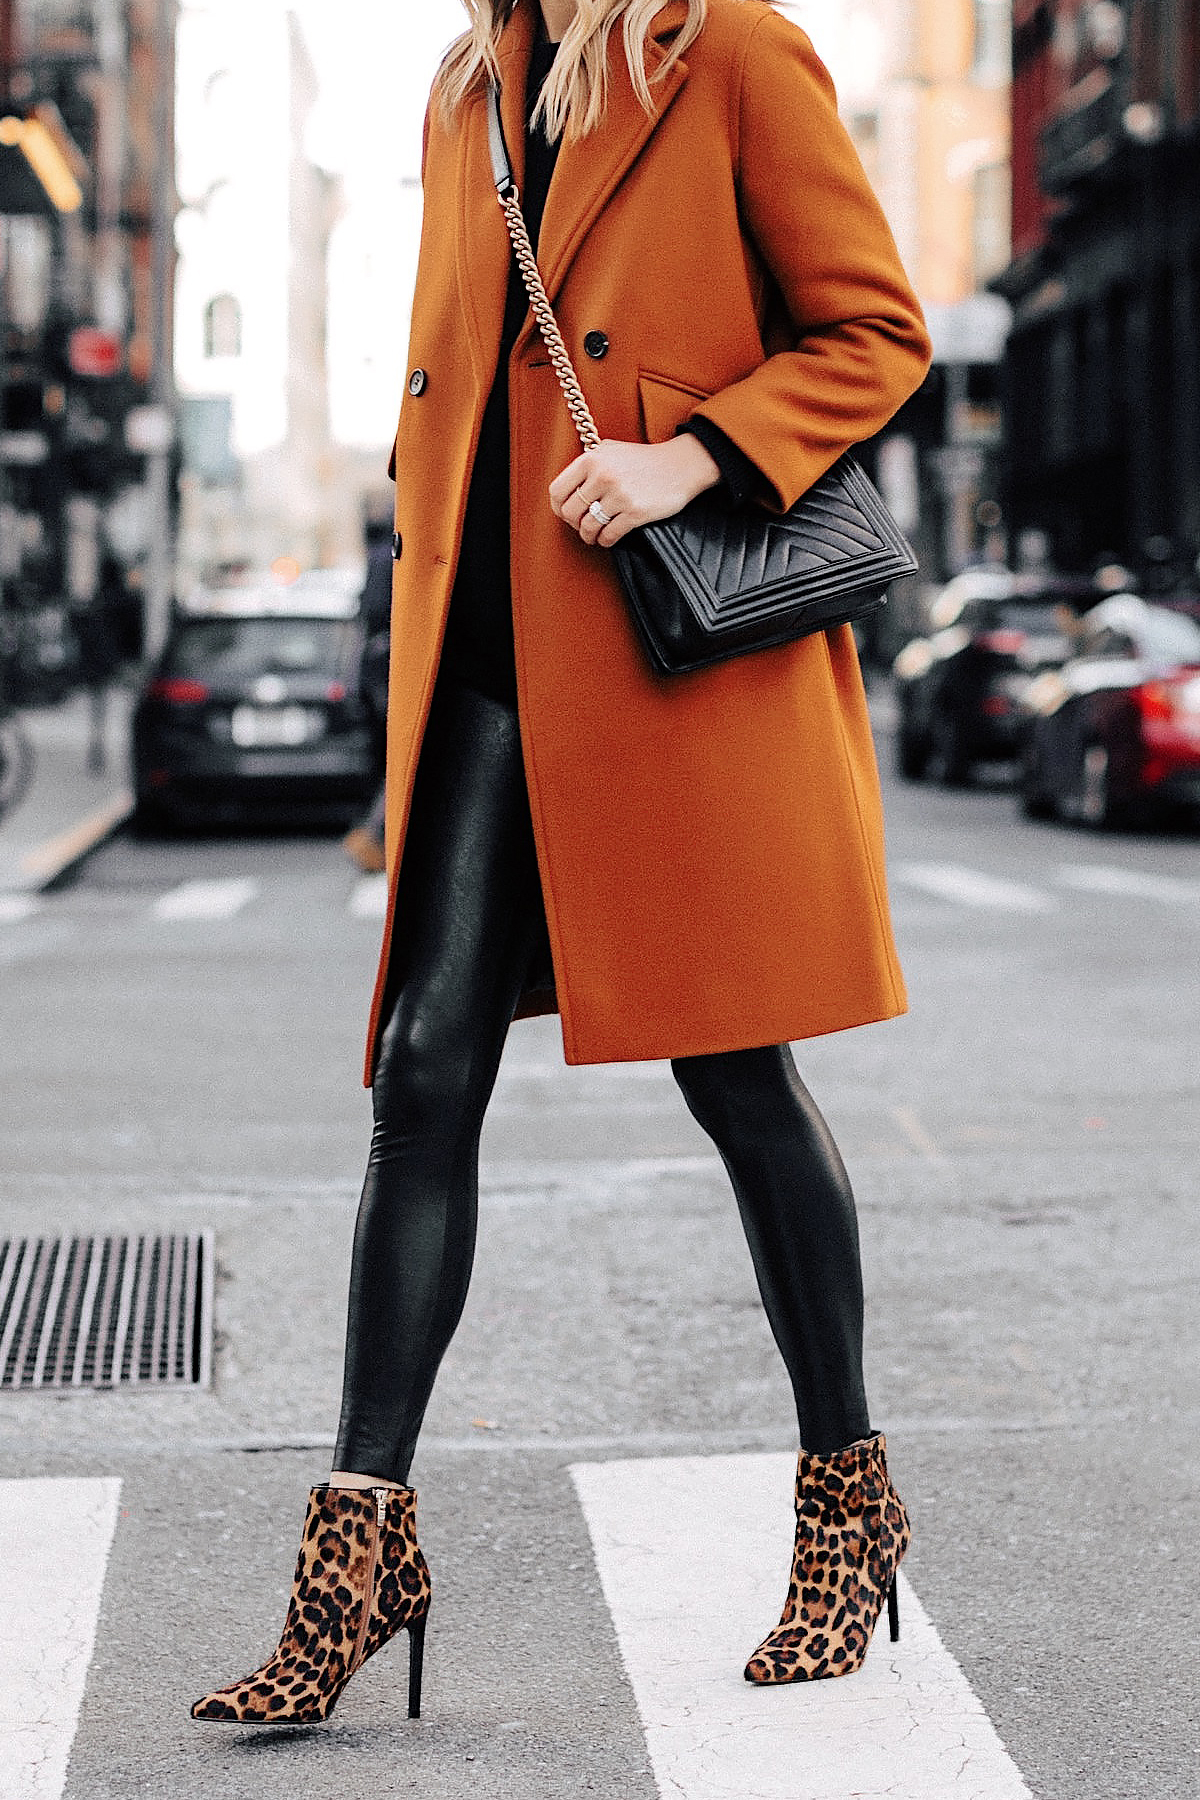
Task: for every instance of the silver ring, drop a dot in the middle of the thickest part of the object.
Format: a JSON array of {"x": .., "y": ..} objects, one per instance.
[{"x": 598, "y": 513}]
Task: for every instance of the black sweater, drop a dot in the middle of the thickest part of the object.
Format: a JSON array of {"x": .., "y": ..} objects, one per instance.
[{"x": 478, "y": 646}]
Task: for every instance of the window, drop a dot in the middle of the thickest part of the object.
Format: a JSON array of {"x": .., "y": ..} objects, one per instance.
[
  {"x": 1171, "y": 637},
  {"x": 223, "y": 326},
  {"x": 227, "y": 652},
  {"x": 1107, "y": 641}
]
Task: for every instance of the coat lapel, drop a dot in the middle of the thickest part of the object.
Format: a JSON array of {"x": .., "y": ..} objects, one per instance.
[
  {"x": 589, "y": 169},
  {"x": 483, "y": 245},
  {"x": 586, "y": 174}
]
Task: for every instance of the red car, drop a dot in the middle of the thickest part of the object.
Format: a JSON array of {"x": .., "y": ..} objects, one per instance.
[{"x": 1114, "y": 735}]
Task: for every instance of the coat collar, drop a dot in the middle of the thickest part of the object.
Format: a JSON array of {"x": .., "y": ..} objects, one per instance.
[{"x": 588, "y": 171}]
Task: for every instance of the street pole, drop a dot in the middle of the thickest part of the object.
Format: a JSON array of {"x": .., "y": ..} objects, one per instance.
[
  {"x": 4, "y": 255},
  {"x": 8, "y": 58},
  {"x": 159, "y": 462}
]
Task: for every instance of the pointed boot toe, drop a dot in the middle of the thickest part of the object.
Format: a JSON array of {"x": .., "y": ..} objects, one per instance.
[
  {"x": 851, "y": 1533},
  {"x": 360, "y": 1579}
]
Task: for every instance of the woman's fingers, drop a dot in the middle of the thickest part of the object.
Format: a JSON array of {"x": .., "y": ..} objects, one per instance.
[
  {"x": 592, "y": 527},
  {"x": 592, "y": 480},
  {"x": 564, "y": 487},
  {"x": 581, "y": 486},
  {"x": 631, "y": 483},
  {"x": 577, "y": 512}
]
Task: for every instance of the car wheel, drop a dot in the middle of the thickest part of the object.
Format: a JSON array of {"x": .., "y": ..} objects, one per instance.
[
  {"x": 912, "y": 753},
  {"x": 1097, "y": 807},
  {"x": 948, "y": 755},
  {"x": 150, "y": 819},
  {"x": 1035, "y": 802}
]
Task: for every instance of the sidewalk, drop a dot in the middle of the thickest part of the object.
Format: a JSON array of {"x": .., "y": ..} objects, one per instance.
[{"x": 68, "y": 809}]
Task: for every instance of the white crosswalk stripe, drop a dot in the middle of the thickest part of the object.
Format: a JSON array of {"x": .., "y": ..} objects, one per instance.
[
  {"x": 369, "y": 898},
  {"x": 955, "y": 884},
  {"x": 15, "y": 907},
  {"x": 1132, "y": 884},
  {"x": 972, "y": 887},
  {"x": 205, "y": 900},
  {"x": 56, "y": 1537},
  {"x": 693, "y": 1554}
]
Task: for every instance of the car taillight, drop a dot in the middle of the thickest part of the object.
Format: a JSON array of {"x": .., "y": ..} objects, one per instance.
[
  {"x": 1169, "y": 715},
  {"x": 1001, "y": 643},
  {"x": 336, "y": 690},
  {"x": 177, "y": 690},
  {"x": 1172, "y": 697}
]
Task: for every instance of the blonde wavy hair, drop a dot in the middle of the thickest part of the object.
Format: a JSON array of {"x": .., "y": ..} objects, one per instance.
[{"x": 576, "y": 90}]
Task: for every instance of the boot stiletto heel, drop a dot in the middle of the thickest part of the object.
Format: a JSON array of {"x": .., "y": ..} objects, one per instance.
[
  {"x": 416, "y": 1663},
  {"x": 360, "y": 1578},
  {"x": 851, "y": 1532}
]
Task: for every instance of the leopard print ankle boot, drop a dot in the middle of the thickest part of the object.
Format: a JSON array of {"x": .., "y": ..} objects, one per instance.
[
  {"x": 360, "y": 1578},
  {"x": 851, "y": 1532}
]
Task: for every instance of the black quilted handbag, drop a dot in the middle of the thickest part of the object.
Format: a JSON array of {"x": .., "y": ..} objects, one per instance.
[{"x": 720, "y": 580}]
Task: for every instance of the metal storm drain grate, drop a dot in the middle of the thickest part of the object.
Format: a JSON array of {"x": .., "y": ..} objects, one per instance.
[{"x": 106, "y": 1312}]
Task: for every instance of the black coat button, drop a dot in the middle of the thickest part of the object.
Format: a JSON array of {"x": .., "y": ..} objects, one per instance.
[
  {"x": 596, "y": 344},
  {"x": 397, "y": 546},
  {"x": 417, "y": 382}
]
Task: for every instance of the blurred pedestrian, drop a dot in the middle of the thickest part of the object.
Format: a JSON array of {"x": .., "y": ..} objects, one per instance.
[
  {"x": 363, "y": 844},
  {"x": 688, "y": 867},
  {"x": 93, "y": 622}
]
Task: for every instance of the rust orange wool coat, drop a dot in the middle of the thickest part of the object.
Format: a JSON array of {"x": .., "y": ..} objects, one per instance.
[{"x": 710, "y": 845}]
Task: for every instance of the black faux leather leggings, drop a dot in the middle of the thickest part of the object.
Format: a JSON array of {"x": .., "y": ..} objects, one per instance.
[{"x": 469, "y": 925}]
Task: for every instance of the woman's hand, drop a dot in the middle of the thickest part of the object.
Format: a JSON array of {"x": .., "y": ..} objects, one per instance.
[{"x": 633, "y": 483}]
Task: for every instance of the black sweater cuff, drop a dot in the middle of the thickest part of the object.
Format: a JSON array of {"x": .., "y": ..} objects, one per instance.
[{"x": 739, "y": 476}]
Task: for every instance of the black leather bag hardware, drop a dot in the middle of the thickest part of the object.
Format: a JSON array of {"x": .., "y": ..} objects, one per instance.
[{"x": 719, "y": 580}]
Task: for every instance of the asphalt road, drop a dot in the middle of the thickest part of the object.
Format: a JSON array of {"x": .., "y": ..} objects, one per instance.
[{"x": 1023, "y": 1146}]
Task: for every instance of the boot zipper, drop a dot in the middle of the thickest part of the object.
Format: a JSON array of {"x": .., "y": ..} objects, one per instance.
[{"x": 381, "y": 1495}]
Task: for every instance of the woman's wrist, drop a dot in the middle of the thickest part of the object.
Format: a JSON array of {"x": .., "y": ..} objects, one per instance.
[
  {"x": 608, "y": 491},
  {"x": 699, "y": 469}
]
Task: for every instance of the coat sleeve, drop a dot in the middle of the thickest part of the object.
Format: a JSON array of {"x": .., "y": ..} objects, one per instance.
[{"x": 861, "y": 344}]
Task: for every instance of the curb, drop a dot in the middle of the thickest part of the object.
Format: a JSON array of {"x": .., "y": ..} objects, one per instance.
[{"x": 48, "y": 863}]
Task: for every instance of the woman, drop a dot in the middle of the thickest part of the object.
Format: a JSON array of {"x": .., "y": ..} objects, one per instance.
[{"x": 688, "y": 868}]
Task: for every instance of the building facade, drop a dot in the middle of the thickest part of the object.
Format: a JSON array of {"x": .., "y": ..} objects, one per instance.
[
  {"x": 923, "y": 86},
  {"x": 296, "y": 229},
  {"x": 85, "y": 347},
  {"x": 1102, "y": 375},
  {"x": 259, "y": 479}
]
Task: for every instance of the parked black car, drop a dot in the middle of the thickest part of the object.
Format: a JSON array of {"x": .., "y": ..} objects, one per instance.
[
  {"x": 1114, "y": 735},
  {"x": 254, "y": 708},
  {"x": 959, "y": 689}
]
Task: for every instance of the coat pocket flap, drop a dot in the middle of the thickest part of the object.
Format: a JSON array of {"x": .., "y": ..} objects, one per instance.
[{"x": 666, "y": 403}]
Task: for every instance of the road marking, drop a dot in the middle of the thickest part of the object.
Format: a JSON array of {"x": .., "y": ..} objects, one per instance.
[
  {"x": 205, "y": 900},
  {"x": 914, "y": 1133},
  {"x": 46, "y": 862},
  {"x": 1137, "y": 884},
  {"x": 56, "y": 1537},
  {"x": 693, "y": 1554},
  {"x": 369, "y": 897},
  {"x": 15, "y": 907},
  {"x": 971, "y": 887}
]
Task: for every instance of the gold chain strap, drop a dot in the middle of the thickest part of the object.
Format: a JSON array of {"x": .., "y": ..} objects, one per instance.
[{"x": 547, "y": 324}]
